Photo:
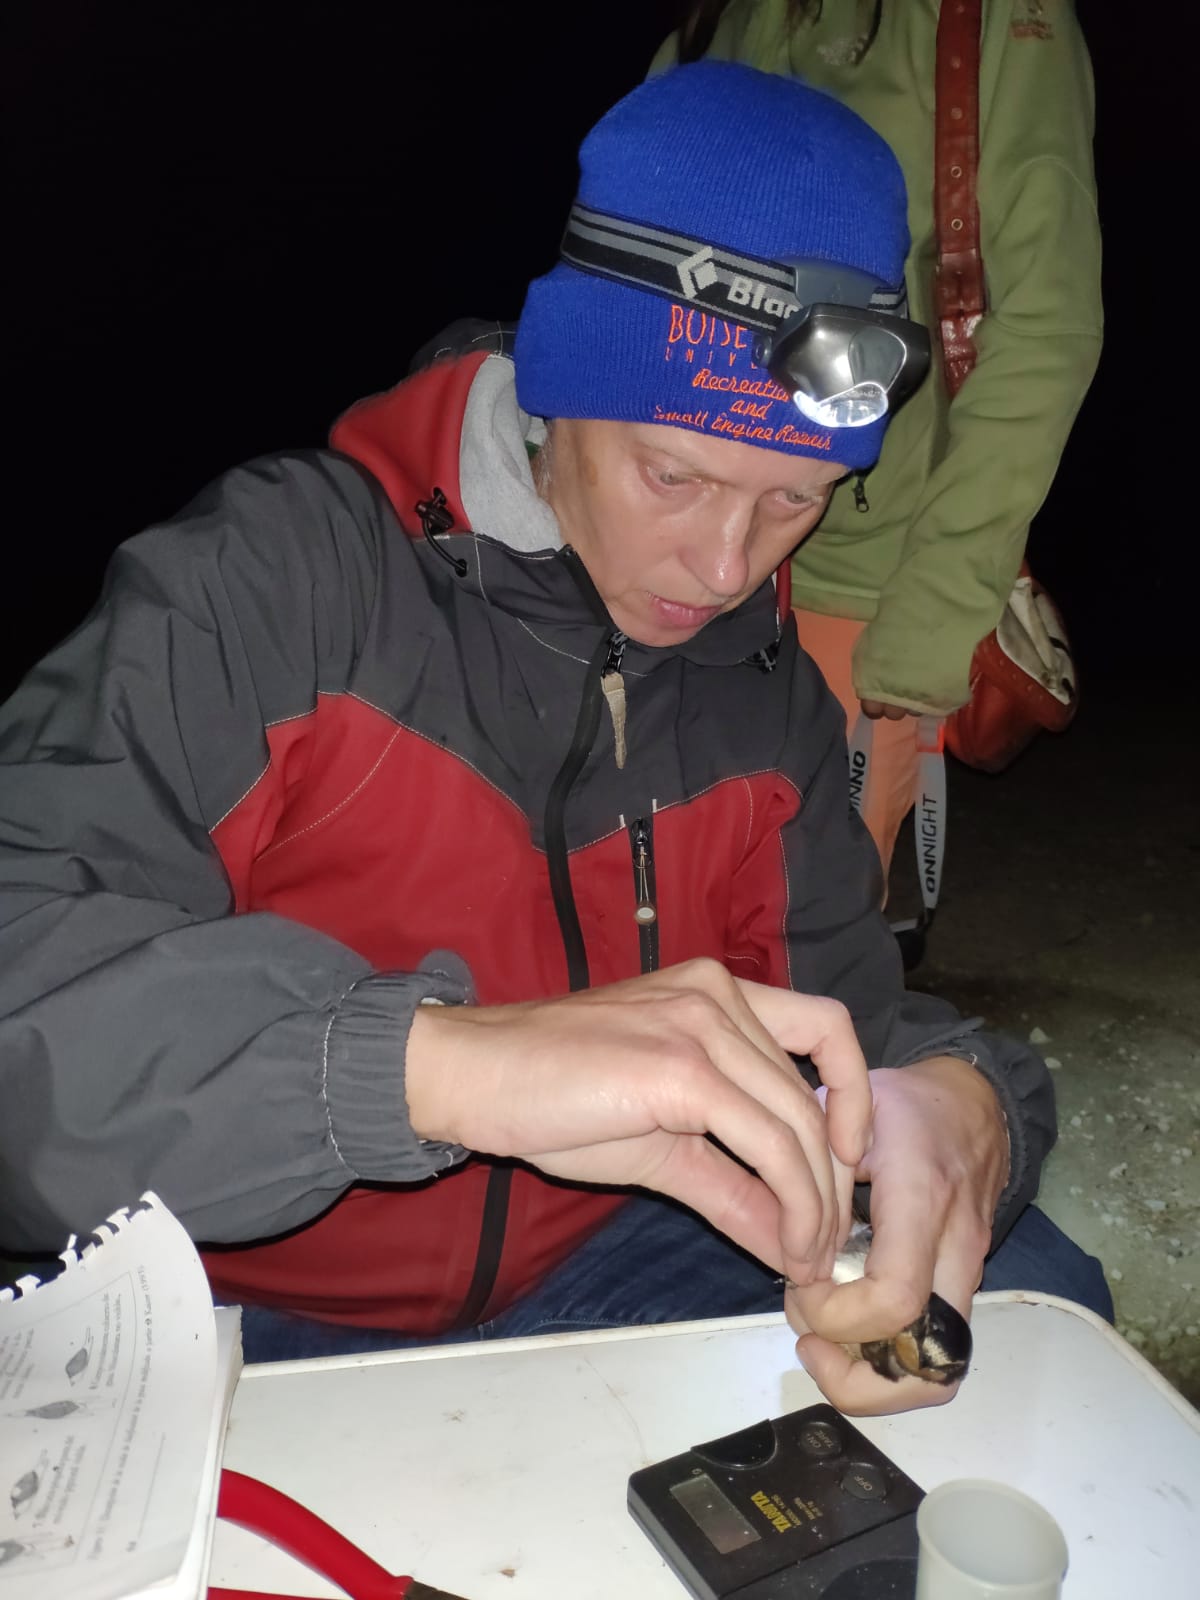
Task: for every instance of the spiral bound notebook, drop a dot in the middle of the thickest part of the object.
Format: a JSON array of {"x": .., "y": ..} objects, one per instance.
[{"x": 116, "y": 1379}]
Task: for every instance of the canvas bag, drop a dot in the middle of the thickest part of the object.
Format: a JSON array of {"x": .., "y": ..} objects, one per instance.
[{"x": 1022, "y": 676}]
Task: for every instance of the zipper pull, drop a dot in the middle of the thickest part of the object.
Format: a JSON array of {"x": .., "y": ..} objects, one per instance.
[
  {"x": 613, "y": 685},
  {"x": 645, "y": 912},
  {"x": 437, "y": 517},
  {"x": 861, "y": 503}
]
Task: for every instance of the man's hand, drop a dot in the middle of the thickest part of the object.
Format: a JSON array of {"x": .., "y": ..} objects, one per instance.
[
  {"x": 937, "y": 1168},
  {"x": 622, "y": 1085},
  {"x": 884, "y": 708}
]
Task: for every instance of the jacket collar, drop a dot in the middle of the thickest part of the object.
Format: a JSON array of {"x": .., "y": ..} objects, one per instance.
[{"x": 457, "y": 427}]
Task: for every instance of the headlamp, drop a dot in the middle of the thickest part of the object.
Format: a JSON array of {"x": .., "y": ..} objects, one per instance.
[
  {"x": 835, "y": 338},
  {"x": 845, "y": 363}
]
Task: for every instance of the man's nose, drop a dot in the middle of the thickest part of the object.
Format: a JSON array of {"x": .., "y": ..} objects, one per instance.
[{"x": 718, "y": 552}]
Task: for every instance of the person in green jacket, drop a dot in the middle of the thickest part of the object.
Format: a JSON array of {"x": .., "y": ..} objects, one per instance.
[{"x": 911, "y": 566}]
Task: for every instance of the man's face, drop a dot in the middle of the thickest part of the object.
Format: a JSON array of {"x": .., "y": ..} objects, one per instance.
[{"x": 675, "y": 527}]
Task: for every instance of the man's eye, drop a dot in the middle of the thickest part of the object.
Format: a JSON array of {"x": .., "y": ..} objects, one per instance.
[
  {"x": 671, "y": 480},
  {"x": 798, "y": 500}
]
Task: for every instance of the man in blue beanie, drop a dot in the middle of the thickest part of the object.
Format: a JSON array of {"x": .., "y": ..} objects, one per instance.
[{"x": 428, "y": 864}]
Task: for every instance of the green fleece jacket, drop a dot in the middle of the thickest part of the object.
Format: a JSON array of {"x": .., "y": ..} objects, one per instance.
[{"x": 931, "y": 563}]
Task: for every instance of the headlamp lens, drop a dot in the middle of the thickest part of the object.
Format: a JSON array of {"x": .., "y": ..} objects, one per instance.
[
  {"x": 852, "y": 408},
  {"x": 846, "y": 366}
]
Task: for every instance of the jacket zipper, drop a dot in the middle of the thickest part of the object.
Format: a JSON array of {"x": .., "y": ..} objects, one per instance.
[
  {"x": 645, "y": 910},
  {"x": 606, "y": 659},
  {"x": 492, "y": 1225},
  {"x": 587, "y": 725},
  {"x": 612, "y": 686}
]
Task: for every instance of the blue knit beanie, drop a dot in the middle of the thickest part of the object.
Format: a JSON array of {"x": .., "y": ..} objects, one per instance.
[{"x": 742, "y": 160}]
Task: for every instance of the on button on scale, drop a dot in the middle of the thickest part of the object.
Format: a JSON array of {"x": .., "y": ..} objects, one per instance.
[{"x": 819, "y": 1439}]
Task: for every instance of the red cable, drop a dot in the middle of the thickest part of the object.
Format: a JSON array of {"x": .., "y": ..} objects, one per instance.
[{"x": 294, "y": 1528}]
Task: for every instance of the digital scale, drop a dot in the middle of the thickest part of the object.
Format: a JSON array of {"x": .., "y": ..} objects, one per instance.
[{"x": 800, "y": 1507}]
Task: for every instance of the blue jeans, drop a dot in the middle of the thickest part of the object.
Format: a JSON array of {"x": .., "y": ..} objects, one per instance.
[{"x": 658, "y": 1262}]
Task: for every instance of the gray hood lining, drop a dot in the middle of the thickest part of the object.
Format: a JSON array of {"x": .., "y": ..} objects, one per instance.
[{"x": 494, "y": 475}]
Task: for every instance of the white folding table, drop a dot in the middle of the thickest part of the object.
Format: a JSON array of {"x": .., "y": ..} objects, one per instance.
[{"x": 498, "y": 1470}]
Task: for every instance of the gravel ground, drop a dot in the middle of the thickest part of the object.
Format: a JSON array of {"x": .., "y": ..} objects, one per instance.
[{"x": 1071, "y": 915}]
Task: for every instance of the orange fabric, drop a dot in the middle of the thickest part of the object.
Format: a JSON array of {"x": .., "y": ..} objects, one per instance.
[{"x": 888, "y": 799}]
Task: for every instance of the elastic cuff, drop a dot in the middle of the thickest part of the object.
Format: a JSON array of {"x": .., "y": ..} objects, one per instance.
[{"x": 363, "y": 1076}]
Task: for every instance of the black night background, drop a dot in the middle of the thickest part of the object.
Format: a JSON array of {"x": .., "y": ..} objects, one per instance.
[{"x": 227, "y": 222}]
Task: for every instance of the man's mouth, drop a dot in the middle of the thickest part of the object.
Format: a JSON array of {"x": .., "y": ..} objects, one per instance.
[{"x": 677, "y": 615}]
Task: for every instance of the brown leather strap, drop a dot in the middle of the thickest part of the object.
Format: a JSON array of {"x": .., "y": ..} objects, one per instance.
[{"x": 959, "y": 295}]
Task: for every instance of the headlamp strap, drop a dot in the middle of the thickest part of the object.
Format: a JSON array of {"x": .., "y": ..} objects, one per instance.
[{"x": 745, "y": 289}]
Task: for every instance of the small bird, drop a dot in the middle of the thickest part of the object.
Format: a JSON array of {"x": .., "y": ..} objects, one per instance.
[
  {"x": 935, "y": 1347},
  {"x": 23, "y": 1490},
  {"x": 54, "y": 1410}
]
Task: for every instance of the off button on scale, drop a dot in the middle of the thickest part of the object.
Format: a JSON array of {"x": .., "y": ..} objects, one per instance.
[{"x": 865, "y": 1481}]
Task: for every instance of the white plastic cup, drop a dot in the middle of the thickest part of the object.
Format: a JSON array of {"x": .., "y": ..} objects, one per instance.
[{"x": 979, "y": 1540}]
